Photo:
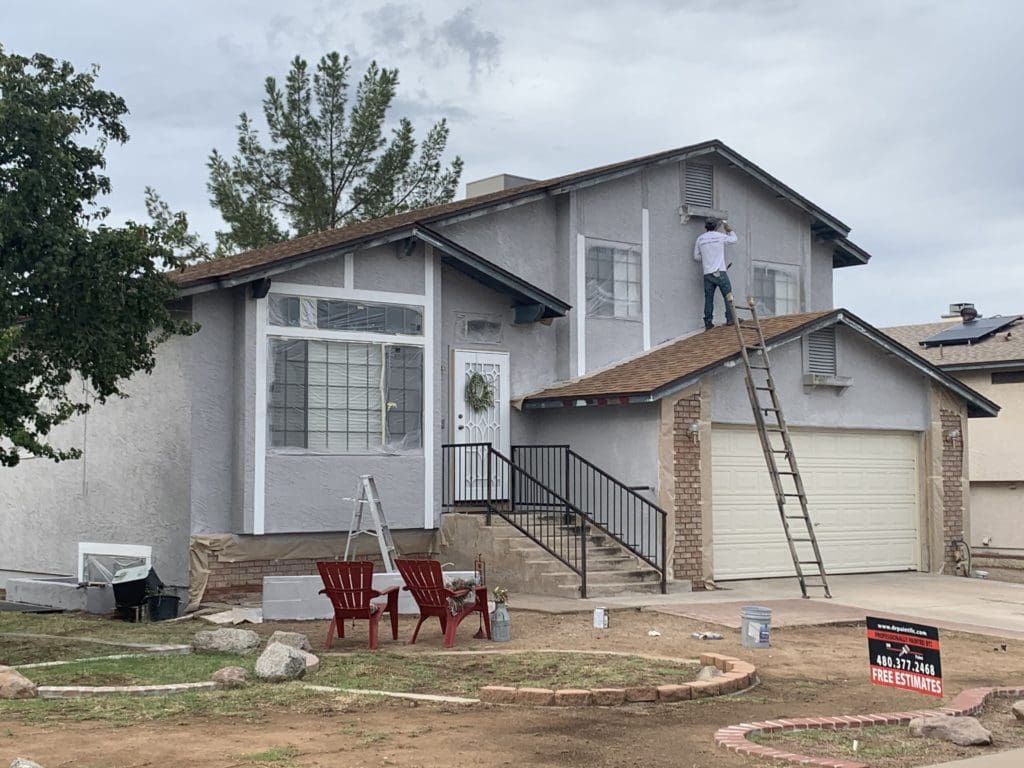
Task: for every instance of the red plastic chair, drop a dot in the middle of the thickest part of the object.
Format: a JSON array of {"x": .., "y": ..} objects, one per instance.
[
  {"x": 426, "y": 582},
  {"x": 348, "y": 584}
]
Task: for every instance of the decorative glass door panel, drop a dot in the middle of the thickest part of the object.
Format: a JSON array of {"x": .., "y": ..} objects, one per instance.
[{"x": 483, "y": 417}]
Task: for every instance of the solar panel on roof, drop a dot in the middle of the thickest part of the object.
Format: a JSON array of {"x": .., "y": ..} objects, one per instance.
[{"x": 969, "y": 333}]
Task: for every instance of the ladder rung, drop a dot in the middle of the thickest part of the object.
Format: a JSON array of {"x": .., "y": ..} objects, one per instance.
[
  {"x": 759, "y": 367},
  {"x": 810, "y": 562},
  {"x": 764, "y": 389},
  {"x": 797, "y": 495},
  {"x": 796, "y": 517}
]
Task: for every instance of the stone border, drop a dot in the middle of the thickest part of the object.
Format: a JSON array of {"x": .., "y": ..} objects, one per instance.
[
  {"x": 79, "y": 691},
  {"x": 968, "y": 702},
  {"x": 736, "y": 676}
]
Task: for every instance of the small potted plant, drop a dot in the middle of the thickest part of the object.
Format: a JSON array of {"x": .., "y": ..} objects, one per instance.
[{"x": 501, "y": 622}]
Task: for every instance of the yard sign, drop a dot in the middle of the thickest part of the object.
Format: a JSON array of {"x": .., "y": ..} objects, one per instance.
[{"x": 904, "y": 655}]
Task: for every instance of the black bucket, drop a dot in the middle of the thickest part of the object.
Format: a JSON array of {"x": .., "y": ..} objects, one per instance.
[{"x": 163, "y": 607}]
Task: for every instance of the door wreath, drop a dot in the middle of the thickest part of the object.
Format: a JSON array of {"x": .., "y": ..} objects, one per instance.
[{"x": 479, "y": 393}]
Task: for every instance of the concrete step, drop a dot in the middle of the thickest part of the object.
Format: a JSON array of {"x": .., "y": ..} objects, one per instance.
[
  {"x": 637, "y": 576},
  {"x": 623, "y": 588}
]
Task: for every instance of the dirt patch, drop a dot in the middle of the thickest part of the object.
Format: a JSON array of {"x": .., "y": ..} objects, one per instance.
[
  {"x": 807, "y": 672},
  {"x": 893, "y": 747}
]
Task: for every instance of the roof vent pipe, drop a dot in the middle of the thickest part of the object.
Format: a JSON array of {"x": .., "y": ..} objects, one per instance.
[{"x": 968, "y": 313}]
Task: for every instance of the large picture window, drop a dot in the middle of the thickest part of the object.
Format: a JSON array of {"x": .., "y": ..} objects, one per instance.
[
  {"x": 344, "y": 315},
  {"x": 613, "y": 280},
  {"x": 344, "y": 397},
  {"x": 776, "y": 289}
]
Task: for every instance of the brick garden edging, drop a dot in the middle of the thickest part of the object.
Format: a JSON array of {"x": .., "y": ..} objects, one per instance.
[
  {"x": 736, "y": 675},
  {"x": 734, "y": 737}
]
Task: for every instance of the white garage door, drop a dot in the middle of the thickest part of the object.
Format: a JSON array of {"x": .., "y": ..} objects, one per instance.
[{"x": 862, "y": 489}]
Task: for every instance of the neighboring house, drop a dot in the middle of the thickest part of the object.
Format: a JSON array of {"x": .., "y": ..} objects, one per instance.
[
  {"x": 986, "y": 354},
  {"x": 349, "y": 352}
]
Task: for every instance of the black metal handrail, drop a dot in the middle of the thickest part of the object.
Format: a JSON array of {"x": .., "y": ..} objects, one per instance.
[
  {"x": 479, "y": 478},
  {"x": 637, "y": 524}
]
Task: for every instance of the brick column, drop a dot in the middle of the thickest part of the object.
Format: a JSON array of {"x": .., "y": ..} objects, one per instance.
[
  {"x": 952, "y": 485},
  {"x": 685, "y": 551}
]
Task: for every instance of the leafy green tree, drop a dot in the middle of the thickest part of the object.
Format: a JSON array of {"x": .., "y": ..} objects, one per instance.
[
  {"x": 83, "y": 306},
  {"x": 327, "y": 163}
]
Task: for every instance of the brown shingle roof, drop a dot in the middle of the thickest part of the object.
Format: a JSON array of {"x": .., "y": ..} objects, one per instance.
[
  {"x": 650, "y": 371},
  {"x": 353, "y": 235},
  {"x": 1005, "y": 346}
]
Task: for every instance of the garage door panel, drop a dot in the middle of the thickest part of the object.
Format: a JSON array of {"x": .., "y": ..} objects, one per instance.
[{"x": 862, "y": 490}]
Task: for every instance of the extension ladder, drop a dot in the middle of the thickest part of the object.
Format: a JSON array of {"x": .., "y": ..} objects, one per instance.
[
  {"x": 368, "y": 498},
  {"x": 768, "y": 418}
]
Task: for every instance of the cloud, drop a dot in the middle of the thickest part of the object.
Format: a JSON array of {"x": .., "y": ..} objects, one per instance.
[{"x": 461, "y": 34}]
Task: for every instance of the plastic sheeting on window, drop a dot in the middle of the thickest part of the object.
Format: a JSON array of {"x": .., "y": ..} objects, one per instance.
[
  {"x": 344, "y": 315},
  {"x": 613, "y": 281},
  {"x": 337, "y": 397}
]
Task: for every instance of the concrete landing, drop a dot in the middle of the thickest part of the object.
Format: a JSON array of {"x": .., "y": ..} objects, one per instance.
[
  {"x": 785, "y": 613},
  {"x": 978, "y": 606}
]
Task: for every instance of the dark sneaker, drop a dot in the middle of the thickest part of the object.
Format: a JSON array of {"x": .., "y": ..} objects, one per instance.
[
  {"x": 708, "y": 326},
  {"x": 730, "y": 321}
]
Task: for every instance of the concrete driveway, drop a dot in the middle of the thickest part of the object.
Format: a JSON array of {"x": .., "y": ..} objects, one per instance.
[{"x": 970, "y": 605}]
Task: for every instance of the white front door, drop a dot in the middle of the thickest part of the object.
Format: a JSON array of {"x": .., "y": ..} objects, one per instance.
[{"x": 488, "y": 424}]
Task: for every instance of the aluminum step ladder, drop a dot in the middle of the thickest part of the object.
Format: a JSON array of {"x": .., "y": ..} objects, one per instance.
[
  {"x": 369, "y": 499},
  {"x": 768, "y": 417}
]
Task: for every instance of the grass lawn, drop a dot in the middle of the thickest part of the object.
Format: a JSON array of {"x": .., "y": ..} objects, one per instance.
[
  {"x": 99, "y": 628},
  {"x": 140, "y": 670},
  {"x": 17, "y": 650},
  {"x": 464, "y": 674}
]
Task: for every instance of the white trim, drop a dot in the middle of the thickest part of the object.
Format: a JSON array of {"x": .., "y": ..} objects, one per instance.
[
  {"x": 350, "y": 270},
  {"x": 581, "y": 305},
  {"x": 645, "y": 275},
  {"x": 259, "y": 468},
  {"x": 364, "y": 336},
  {"x": 116, "y": 550},
  {"x": 338, "y": 292},
  {"x": 429, "y": 418}
]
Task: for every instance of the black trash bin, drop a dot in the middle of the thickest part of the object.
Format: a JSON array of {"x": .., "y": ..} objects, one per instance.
[
  {"x": 163, "y": 607},
  {"x": 132, "y": 588}
]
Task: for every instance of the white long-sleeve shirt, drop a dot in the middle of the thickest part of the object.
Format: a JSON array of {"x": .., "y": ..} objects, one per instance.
[{"x": 710, "y": 248}]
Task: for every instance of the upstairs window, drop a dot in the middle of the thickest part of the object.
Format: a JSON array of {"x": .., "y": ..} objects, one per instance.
[
  {"x": 776, "y": 289},
  {"x": 699, "y": 185},
  {"x": 613, "y": 280}
]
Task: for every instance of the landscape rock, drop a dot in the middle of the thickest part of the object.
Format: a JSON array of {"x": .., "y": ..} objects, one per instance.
[
  {"x": 24, "y": 762},
  {"x": 291, "y": 639},
  {"x": 280, "y": 662},
  {"x": 1018, "y": 710},
  {"x": 965, "y": 731},
  {"x": 228, "y": 678},
  {"x": 14, "y": 685},
  {"x": 233, "y": 640},
  {"x": 708, "y": 673}
]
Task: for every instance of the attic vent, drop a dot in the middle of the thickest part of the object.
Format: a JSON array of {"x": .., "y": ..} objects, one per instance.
[
  {"x": 699, "y": 185},
  {"x": 821, "y": 352}
]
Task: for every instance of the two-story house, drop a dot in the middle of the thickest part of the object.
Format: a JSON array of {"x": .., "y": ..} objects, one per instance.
[{"x": 535, "y": 350}]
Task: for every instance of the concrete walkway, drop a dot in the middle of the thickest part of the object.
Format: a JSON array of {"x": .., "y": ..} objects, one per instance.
[
  {"x": 955, "y": 603},
  {"x": 1012, "y": 759}
]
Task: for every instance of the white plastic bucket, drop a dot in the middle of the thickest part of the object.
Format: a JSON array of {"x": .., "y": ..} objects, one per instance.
[
  {"x": 600, "y": 618},
  {"x": 755, "y": 626}
]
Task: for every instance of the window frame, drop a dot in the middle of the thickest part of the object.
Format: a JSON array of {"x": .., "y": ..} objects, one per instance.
[
  {"x": 635, "y": 251},
  {"x": 794, "y": 271}
]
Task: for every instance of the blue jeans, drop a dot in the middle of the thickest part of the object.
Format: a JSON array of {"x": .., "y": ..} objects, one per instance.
[{"x": 719, "y": 280}]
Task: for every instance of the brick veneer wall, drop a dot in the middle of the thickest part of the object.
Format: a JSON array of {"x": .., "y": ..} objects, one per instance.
[
  {"x": 952, "y": 485},
  {"x": 247, "y": 575},
  {"x": 686, "y": 554}
]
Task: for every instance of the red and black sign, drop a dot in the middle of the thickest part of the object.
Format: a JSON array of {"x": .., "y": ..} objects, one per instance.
[{"x": 904, "y": 655}]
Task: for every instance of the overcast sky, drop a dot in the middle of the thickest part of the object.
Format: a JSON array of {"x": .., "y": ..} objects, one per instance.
[{"x": 900, "y": 118}]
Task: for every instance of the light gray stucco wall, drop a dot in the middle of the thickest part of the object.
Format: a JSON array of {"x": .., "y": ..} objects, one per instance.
[
  {"x": 821, "y": 277},
  {"x": 521, "y": 240},
  {"x": 620, "y": 439},
  {"x": 214, "y": 413},
  {"x": 132, "y": 485},
  {"x": 885, "y": 392},
  {"x": 389, "y": 268}
]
